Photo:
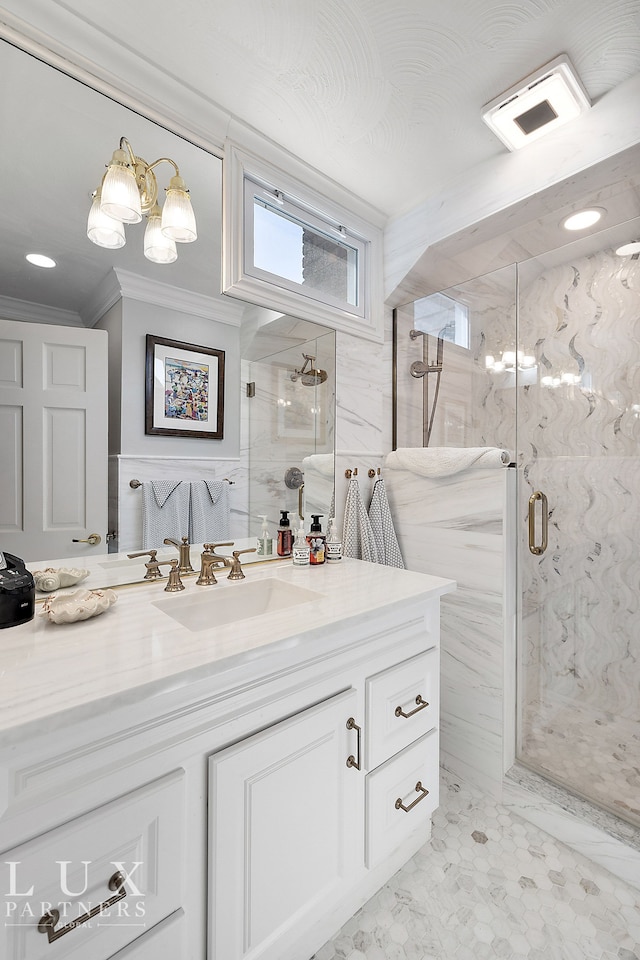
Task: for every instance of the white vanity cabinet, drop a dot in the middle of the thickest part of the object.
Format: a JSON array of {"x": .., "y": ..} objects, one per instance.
[
  {"x": 285, "y": 837},
  {"x": 266, "y": 792}
]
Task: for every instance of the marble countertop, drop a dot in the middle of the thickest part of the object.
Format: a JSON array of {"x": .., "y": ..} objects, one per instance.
[{"x": 60, "y": 673}]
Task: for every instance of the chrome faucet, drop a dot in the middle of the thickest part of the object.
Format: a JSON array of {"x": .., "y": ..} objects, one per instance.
[{"x": 184, "y": 565}]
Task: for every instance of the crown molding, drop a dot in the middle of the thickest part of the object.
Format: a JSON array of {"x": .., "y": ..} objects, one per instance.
[
  {"x": 12, "y": 309},
  {"x": 119, "y": 284}
]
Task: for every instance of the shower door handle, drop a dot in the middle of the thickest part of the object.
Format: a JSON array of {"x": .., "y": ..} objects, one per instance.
[{"x": 540, "y": 548}]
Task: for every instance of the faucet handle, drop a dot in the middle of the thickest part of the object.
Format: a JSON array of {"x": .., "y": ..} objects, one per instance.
[
  {"x": 236, "y": 567},
  {"x": 175, "y": 583},
  {"x": 152, "y": 567}
]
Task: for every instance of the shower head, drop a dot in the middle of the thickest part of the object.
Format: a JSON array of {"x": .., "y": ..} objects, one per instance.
[{"x": 309, "y": 375}]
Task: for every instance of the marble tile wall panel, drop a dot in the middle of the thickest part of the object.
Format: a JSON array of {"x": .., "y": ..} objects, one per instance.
[
  {"x": 161, "y": 468},
  {"x": 360, "y": 380},
  {"x": 455, "y": 527}
]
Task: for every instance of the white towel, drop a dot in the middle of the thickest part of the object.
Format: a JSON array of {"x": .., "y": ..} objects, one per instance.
[
  {"x": 209, "y": 511},
  {"x": 383, "y": 529},
  {"x": 443, "y": 461},
  {"x": 165, "y": 512},
  {"x": 323, "y": 463},
  {"x": 358, "y": 540}
]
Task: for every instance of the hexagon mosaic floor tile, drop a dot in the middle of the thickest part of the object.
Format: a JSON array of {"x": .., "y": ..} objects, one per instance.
[{"x": 490, "y": 885}]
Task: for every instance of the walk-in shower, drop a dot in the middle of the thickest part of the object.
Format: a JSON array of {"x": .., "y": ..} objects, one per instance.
[{"x": 551, "y": 371}]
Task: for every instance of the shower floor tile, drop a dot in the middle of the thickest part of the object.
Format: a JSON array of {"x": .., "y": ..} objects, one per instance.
[
  {"x": 592, "y": 752},
  {"x": 490, "y": 885}
]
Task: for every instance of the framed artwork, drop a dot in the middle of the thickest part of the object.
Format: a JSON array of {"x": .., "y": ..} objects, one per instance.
[{"x": 184, "y": 390}]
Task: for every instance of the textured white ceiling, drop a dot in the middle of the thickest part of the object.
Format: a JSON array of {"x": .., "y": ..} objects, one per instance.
[{"x": 383, "y": 96}]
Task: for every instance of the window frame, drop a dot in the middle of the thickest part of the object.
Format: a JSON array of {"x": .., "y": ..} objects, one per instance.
[{"x": 242, "y": 174}]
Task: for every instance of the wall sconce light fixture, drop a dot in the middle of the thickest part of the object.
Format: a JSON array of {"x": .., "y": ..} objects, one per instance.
[{"x": 128, "y": 190}]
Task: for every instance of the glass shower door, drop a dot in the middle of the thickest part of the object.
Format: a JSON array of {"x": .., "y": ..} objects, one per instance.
[{"x": 578, "y": 430}]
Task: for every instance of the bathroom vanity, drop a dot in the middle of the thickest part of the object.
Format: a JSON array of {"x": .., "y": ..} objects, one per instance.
[{"x": 227, "y": 772}]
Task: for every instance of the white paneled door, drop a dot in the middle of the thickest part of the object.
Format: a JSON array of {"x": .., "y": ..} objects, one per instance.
[{"x": 53, "y": 440}]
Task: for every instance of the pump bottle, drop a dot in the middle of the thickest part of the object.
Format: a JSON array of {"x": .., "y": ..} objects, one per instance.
[
  {"x": 301, "y": 550},
  {"x": 334, "y": 543},
  {"x": 285, "y": 537},
  {"x": 316, "y": 540},
  {"x": 265, "y": 543}
]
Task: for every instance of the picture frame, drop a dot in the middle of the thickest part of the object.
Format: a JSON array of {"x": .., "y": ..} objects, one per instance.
[{"x": 184, "y": 389}]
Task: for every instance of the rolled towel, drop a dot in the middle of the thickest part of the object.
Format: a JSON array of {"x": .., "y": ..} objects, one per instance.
[
  {"x": 437, "y": 462},
  {"x": 323, "y": 463}
]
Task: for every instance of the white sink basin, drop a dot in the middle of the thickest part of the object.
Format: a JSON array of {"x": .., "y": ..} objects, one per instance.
[{"x": 217, "y": 605}]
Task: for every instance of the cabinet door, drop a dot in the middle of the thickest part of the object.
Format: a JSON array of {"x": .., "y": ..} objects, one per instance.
[{"x": 285, "y": 829}]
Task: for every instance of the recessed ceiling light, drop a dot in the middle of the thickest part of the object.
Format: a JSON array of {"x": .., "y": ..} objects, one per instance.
[
  {"x": 39, "y": 260},
  {"x": 582, "y": 219},
  {"x": 540, "y": 103},
  {"x": 628, "y": 249}
]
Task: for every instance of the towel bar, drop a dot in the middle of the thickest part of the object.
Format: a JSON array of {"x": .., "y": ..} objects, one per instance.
[{"x": 134, "y": 484}]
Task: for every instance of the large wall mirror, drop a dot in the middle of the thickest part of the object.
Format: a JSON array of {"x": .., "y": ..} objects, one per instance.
[{"x": 59, "y": 135}]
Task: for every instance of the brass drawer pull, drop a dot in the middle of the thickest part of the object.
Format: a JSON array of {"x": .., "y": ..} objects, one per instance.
[
  {"x": 538, "y": 549},
  {"x": 399, "y": 805},
  {"x": 351, "y": 761},
  {"x": 48, "y": 921},
  {"x": 421, "y": 705}
]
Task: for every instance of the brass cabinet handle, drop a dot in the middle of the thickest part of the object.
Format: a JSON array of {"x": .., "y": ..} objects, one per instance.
[
  {"x": 540, "y": 548},
  {"x": 421, "y": 705},
  {"x": 351, "y": 760},
  {"x": 399, "y": 805},
  {"x": 48, "y": 922},
  {"x": 94, "y": 539}
]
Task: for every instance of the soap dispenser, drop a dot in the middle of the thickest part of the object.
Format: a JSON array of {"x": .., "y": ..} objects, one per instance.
[
  {"x": 285, "y": 537},
  {"x": 316, "y": 540},
  {"x": 265, "y": 542},
  {"x": 334, "y": 543},
  {"x": 301, "y": 549}
]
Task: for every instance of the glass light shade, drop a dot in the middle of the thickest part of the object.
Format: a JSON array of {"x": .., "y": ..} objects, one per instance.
[
  {"x": 104, "y": 230},
  {"x": 178, "y": 219},
  {"x": 120, "y": 195},
  {"x": 509, "y": 358},
  {"x": 157, "y": 246}
]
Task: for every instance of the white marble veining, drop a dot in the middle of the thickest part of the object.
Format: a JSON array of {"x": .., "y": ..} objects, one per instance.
[
  {"x": 457, "y": 525},
  {"x": 136, "y": 650}
]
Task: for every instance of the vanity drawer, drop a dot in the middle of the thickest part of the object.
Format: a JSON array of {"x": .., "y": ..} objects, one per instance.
[
  {"x": 69, "y": 868},
  {"x": 395, "y": 718},
  {"x": 401, "y": 795}
]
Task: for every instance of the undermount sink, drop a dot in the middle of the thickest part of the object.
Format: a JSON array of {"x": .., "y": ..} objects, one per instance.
[{"x": 215, "y": 606}]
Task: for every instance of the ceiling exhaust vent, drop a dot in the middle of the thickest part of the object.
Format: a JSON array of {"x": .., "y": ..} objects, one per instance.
[{"x": 540, "y": 103}]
